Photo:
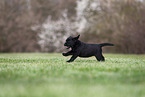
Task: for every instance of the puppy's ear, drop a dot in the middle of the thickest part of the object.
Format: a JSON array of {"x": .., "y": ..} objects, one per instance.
[{"x": 77, "y": 37}]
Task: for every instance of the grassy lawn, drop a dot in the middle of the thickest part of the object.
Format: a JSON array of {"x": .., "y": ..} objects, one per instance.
[{"x": 48, "y": 75}]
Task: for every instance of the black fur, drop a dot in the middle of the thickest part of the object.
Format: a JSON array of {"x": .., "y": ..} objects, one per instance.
[{"x": 81, "y": 49}]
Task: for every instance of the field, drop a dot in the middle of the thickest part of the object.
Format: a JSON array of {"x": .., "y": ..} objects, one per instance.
[{"x": 48, "y": 75}]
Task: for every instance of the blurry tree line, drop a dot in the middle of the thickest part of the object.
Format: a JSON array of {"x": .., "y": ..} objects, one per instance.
[
  {"x": 18, "y": 19},
  {"x": 43, "y": 25}
]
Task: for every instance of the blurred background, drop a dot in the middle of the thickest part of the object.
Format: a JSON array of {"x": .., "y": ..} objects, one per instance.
[{"x": 43, "y": 25}]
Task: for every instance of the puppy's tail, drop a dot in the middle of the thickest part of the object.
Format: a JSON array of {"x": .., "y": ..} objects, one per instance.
[{"x": 106, "y": 44}]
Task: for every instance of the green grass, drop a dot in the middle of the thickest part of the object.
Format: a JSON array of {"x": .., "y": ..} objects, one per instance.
[{"x": 48, "y": 75}]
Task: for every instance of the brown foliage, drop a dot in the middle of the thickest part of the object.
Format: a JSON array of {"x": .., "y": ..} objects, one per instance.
[{"x": 16, "y": 34}]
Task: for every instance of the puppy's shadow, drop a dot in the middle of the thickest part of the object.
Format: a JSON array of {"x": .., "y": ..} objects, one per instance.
[{"x": 86, "y": 61}]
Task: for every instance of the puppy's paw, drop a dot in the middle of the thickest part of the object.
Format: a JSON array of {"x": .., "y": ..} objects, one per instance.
[
  {"x": 64, "y": 54},
  {"x": 69, "y": 61}
]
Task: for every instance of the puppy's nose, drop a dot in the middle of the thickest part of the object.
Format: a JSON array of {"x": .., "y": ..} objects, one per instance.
[{"x": 64, "y": 44}]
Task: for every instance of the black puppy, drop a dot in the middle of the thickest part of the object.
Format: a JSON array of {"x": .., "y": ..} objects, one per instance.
[{"x": 82, "y": 49}]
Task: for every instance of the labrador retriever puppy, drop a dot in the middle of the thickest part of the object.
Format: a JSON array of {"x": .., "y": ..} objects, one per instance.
[{"x": 81, "y": 49}]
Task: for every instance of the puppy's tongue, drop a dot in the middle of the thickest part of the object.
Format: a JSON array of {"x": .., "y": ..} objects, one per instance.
[
  {"x": 67, "y": 47},
  {"x": 70, "y": 48}
]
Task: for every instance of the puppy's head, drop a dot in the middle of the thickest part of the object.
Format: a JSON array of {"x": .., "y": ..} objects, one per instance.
[{"x": 71, "y": 41}]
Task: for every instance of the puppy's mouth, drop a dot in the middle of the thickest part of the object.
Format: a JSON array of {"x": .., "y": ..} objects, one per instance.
[{"x": 67, "y": 47}]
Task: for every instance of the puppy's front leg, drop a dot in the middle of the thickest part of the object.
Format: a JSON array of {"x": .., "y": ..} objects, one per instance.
[
  {"x": 68, "y": 53},
  {"x": 72, "y": 58}
]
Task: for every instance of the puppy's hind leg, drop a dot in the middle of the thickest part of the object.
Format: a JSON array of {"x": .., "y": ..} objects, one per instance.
[{"x": 100, "y": 57}]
